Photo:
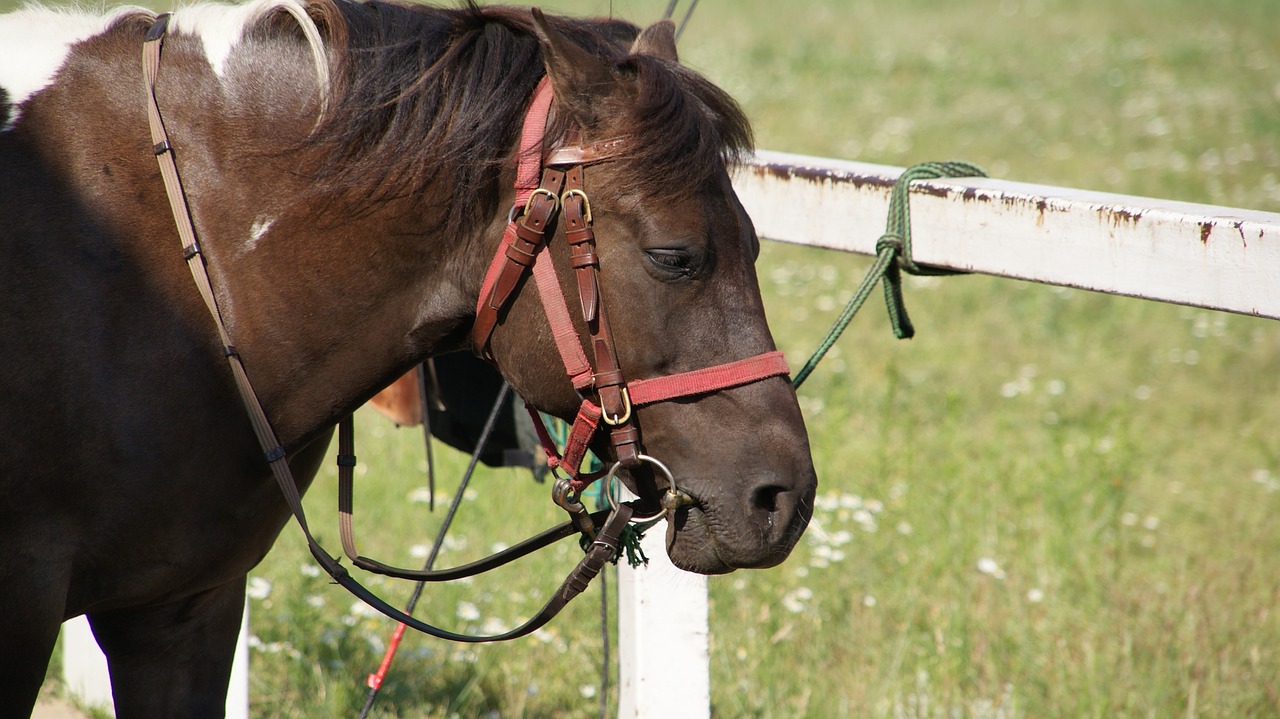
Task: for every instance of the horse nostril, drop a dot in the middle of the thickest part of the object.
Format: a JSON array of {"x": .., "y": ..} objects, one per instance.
[{"x": 766, "y": 497}]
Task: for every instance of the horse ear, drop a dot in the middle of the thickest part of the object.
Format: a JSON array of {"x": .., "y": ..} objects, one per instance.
[
  {"x": 657, "y": 40},
  {"x": 578, "y": 78}
]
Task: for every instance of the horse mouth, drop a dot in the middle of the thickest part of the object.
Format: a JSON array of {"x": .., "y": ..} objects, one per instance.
[
  {"x": 698, "y": 541},
  {"x": 717, "y": 533}
]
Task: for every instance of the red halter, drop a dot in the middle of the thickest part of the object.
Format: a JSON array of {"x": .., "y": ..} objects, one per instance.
[{"x": 521, "y": 250}]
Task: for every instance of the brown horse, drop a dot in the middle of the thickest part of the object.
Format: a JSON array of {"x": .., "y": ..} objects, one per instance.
[{"x": 349, "y": 170}]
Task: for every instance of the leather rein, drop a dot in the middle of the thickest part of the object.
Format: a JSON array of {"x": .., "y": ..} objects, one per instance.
[{"x": 538, "y": 199}]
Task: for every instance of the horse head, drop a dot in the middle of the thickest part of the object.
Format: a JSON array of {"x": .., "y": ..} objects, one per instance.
[{"x": 675, "y": 284}]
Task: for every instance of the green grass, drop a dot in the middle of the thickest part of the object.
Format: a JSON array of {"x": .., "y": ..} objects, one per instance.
[{"x": 1049, "y": 504}]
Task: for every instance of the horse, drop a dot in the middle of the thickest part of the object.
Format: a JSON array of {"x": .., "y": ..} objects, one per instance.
[{"x": 350, "y": 171}]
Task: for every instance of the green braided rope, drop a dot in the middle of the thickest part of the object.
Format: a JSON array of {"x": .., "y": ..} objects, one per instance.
[
  {"x": 894, "y": 244},
  {"x": 629, "y": 543}
]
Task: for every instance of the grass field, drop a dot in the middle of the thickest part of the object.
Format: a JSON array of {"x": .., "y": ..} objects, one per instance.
[{"x": 1048, "y": 504}]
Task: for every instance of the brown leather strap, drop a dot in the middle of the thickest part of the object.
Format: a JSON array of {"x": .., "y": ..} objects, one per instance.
[
  {"x": 273, "y": 452},
  {"x": 346, "y": 513},
  {"x": 577, "y": 154},
  {"x": 610, "y": 385},
  {"x": 523, "y": 239},
  {"x": 601, "y": 551}
]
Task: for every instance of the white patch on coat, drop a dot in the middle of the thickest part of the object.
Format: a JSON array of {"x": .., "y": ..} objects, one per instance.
[
  {"x": 221, "y": 27},
  {"x": 259, "y": 228},
  {"x": 35, "y": 42}
]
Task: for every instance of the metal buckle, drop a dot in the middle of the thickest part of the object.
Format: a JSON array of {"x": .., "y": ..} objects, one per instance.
[
  {"x": 586, "y": 203},
  {"x": 555, "y": 200},
  {"x": 626, "y": 414},
  {"x": 569, "y": 501}
]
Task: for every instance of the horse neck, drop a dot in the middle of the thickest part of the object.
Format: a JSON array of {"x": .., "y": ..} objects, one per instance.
[
  {"x": 300, "y": 274},
  {"x": 328, "y": 296}
]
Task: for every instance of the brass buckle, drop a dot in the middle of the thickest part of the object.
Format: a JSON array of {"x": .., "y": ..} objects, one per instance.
[
  {"x": 586, "y": 203},
  {"x": 626, "y": 414},
  {"x": 555, "y": 201}
]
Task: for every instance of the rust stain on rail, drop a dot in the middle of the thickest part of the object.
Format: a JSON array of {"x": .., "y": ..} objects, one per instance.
[
  {"x": 1207, "y": 227},
  {"x": 1123, "y": 215},
  {"x": 819, "y": 176}
]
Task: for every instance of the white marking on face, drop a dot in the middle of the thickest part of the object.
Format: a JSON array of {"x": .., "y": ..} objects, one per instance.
[{"x": 34, "y": 43}]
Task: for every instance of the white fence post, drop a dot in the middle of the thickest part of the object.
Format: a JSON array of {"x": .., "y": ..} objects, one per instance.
[
  {"x": 84, "y": 668},
  {"x": 663, "y": 650}
]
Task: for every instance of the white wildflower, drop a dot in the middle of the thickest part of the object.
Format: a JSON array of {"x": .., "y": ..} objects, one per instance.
[
  {"x": 990, "y": 567},
  {"x": 258, "y": 588},
  {"x": 468, "y": 612},
  {"x": 362, "y": 610},
  {"x": 795, "y": 600}
]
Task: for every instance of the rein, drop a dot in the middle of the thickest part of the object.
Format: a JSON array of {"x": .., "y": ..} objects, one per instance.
[
  {"x": 546, "y": 185},
  {"x": 605, "y": 528}
]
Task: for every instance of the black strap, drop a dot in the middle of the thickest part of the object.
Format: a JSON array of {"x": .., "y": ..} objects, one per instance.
[
  {"x": 493, "y": 561},
  {"x": 602, "y": 550}
]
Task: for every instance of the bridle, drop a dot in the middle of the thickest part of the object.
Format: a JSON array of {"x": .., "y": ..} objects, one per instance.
[
  {"x": 551, "y": 181},
  {"x": 521, "y": 250}
]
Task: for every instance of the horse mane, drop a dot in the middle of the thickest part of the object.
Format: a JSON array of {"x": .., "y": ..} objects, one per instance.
[{"x": 426, "y": 102}]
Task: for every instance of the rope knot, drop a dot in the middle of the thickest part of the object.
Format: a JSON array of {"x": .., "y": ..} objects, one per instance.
[
  {"x": 894, "y": 244},
  {"x": 890, "y": 241}
]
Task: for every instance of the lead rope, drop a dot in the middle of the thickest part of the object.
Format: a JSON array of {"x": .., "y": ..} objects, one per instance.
[{"x": 893, "y": 256}]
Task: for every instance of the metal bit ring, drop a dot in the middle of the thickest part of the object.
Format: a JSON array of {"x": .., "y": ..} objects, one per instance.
[{"x": 672, "y": 499}]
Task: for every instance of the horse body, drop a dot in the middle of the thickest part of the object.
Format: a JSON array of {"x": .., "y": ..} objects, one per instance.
[
  {"x": 137, "y": 489},
  {"x": 137, "y": 497}
]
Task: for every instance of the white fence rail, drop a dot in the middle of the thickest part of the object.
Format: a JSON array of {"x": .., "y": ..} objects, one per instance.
[{"x": 1213, "y": 257}]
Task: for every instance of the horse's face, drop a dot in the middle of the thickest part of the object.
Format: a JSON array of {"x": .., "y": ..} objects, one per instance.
[{"x": 679, "y": 287}]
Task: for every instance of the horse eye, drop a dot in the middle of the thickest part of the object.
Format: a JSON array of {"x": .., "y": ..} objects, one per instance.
[{"x": 677, "y": 261}]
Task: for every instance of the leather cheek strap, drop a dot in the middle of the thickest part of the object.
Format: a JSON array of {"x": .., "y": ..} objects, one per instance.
[{"x": 523, "y": 239}]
